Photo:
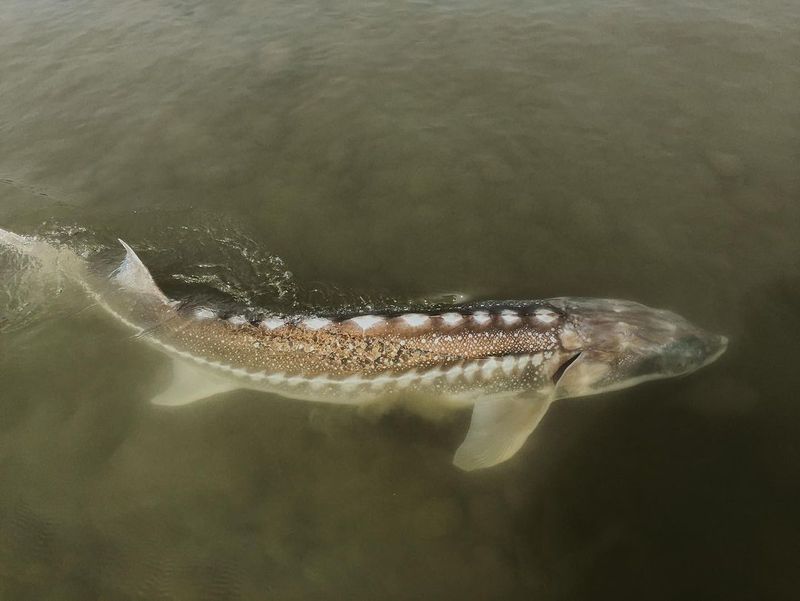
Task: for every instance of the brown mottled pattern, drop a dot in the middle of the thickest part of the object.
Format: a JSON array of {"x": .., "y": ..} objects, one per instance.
[{"x": 342, "y": 348}]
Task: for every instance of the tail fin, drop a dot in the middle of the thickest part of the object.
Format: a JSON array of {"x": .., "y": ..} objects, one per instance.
[
  {"x": 44, "y": 253},
  {"x": 131, "y": 275},
  {"x": 48, "y": 258},
  {"x": 32, "y": 275},
  {"x": 16, "y": 242}
]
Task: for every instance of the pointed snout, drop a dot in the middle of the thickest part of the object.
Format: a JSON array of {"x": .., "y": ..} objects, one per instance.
[
  {"x": 669, "y": 344},
  {"x": 702, "y": 348},
  {"x": 718, "y": 346},
  {"x": 652, "y": 340}
]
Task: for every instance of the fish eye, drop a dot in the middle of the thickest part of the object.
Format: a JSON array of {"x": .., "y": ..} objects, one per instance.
[{"x": 563, "y": 367}]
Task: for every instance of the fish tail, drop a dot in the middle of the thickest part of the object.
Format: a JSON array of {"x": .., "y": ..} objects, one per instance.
[
  {"x": 47, "y": 257},
  {"x": 22, "y": 244}
]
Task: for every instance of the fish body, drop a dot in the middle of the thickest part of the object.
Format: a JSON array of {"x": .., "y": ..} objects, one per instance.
[
  {"x": 465, "y": 352},
  {"x": 509, "y": 360}
]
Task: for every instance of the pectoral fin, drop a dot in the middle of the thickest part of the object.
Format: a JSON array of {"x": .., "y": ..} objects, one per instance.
[
  {"x": 498, "y": 429},
  {"x": 191, "y": 383}
]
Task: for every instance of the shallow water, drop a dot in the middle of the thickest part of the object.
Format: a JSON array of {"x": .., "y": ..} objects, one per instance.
[{"x": 295, "y": 155}]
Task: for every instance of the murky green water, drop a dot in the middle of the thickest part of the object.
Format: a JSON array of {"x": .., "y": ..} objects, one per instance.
[{"x": 295, "y": 154}]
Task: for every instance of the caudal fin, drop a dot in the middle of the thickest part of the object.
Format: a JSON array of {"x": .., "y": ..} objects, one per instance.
[
  {"x": 44, "y": 254},
  {"x": 16, "y": 242}
]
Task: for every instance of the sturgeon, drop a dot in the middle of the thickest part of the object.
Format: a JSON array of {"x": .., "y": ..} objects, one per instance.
[{"x": 508, "y": 360}]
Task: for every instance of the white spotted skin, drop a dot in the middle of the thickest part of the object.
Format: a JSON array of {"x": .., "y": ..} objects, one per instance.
[
  {"x": 488, "y": 368},
  {"x": 366, "y": 322},
  {"x": 545, "y": 316},
  {"x": 461, "y": 382},
  {"x": 415, "y": 320},
  {"x": 510, "y": 317},
  {"x": 272, "y": 323},
  {"x": 460, "y": 355},
  {"x": 481, "y": 317},
  {"x": 471, "y": 370},
  {"x": 204, "y": 313},
  {"x": 452, "y": 319},
  {"x": 454, "y": 373},
  {"x": 316, "y": 323},
  {"x": 460, "y": 385}
]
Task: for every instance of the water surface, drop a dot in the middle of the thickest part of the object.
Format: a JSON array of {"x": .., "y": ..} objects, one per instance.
[{"x": 296, "y": 155}]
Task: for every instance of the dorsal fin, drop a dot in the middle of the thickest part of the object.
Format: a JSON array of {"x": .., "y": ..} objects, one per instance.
[{"x": 133, "y": 275}]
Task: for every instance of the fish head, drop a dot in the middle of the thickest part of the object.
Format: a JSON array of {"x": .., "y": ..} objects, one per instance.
[{"x": 610, "y": 344}]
